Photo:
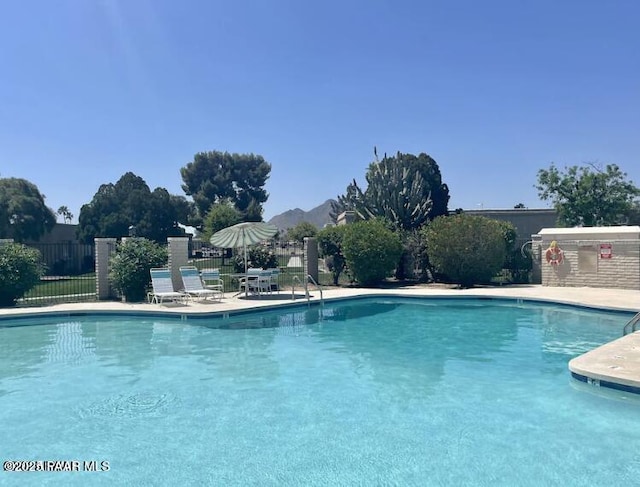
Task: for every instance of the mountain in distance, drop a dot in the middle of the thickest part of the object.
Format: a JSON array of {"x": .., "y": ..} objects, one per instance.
[{"x": 318, "y": 216}]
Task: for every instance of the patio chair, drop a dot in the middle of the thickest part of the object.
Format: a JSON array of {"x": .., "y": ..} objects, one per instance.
[
  {"x": 163, "y": 287},
  {"x": 193, "y": 284},
  {"x": 212, "y": 280},
  {"x": 257, "y": 281},
  {"x": 274, "y": 280}
]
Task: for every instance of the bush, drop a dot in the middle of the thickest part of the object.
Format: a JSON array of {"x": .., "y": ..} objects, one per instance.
[
  {"x": 20, "y": 270},
  {"x": 413, "y": 262},
  {"x": 130, "y": 266},
  {"x": 371, "y": 251},
  {"x": 330, "y": 246},
  {"x": 257, "y": 258},
  {"x": 517, "y": 264},
  {"x": 467, "y": 249}
]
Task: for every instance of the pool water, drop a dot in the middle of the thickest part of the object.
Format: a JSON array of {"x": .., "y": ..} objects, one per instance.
[{"x": 365, "y": 392}]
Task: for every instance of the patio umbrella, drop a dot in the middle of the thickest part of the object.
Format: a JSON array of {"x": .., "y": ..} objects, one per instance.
[{"x": 243, "y": 234}]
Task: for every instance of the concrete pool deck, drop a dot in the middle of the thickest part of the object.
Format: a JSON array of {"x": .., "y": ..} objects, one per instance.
[{"x": 615, "y": 364}]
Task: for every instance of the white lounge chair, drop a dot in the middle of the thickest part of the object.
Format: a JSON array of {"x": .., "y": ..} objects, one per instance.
[
  {"x": 193, "y": 284},
  {"x": 163, "y": 287},
  {"x": 212, "y": 280}
]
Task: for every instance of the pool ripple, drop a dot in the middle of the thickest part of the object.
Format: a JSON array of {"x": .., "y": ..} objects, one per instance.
[{"x": 147, "y": 404}]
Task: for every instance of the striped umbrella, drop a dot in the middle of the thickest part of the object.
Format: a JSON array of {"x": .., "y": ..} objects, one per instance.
[{"x": 243, "y": 234}]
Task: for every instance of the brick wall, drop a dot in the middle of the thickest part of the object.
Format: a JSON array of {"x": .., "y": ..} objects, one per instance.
[{"x": 583, "y": 265}]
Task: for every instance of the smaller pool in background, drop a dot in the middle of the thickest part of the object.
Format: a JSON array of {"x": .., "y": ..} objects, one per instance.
[{"x": 373, "y": 391}]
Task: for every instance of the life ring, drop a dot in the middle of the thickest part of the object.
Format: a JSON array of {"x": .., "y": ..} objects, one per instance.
[{"x": 554, "y": 254}]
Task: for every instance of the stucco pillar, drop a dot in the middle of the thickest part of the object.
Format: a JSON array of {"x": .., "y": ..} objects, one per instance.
[
  {"x": 105, "y": 247},
  {"x": 178, "y": 249},
  {"x": 311, "y": 258}
]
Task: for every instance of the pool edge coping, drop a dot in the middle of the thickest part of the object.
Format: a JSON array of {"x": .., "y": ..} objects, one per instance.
[{"x": 187, "y": 313}]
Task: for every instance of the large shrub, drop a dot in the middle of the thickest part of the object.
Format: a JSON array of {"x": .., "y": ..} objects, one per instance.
[
  {"x": 20, "y": 270},
  {"x": 413, "y": 261},
  {"x": 257, "y": 258},
  {"x": 371, "y": 250},
  {"x": 467, "y": 249},
  {"x": 330, "y": 246},
  {"x": 130, "y": 266}
]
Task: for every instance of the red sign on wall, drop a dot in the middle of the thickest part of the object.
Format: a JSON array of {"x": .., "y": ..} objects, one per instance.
[{"x": 606, "y": 251}]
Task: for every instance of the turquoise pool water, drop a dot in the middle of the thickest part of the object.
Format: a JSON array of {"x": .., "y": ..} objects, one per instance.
[{"x": 367, "y": 392}]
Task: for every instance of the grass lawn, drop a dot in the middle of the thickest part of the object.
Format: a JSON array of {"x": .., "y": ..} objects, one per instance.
[{"x": 64, "y": 286}]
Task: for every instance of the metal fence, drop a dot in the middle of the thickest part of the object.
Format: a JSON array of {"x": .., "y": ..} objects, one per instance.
[
  {"x": 69, "y": 274},
  {"x": 70, "y": 268},
  {"x": 288, "y": 257}
]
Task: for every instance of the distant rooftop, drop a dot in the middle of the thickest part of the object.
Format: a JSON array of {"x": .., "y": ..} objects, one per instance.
[
  {"x": 622, "y": 229},
  {"x": 511, "y": 210}
]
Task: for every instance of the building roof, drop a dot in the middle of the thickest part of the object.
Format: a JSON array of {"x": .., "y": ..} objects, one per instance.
[
  {"x": 623, "y": 231},
  {"x": 511, "y": 210}
]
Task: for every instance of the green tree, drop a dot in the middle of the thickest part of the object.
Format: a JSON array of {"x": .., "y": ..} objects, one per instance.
[
  {"x": 634, "y": 214},
  {"x": 23, "y": 212},
  {"x": 330, "y": 245},
  {"x": 115, "y": 207},
  {"x": 302, "y": 230},
  {"x": 131, "y": 265},
  {"x": 220, "y": 215},
  {"x": 66, "y": 215},
  {"x": 165, "y": 211},
  {"x": 405, "y": 190},
  {"x": 588, "y": 196},
  {"x": 215, "y": 176},
  {"x": 20, "y": 270},
  {"x": 467, "y": 249},
  {"x": 371, "y": 251}
]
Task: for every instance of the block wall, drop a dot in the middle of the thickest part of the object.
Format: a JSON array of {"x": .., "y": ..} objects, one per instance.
[{"x": 585, "y": 264}]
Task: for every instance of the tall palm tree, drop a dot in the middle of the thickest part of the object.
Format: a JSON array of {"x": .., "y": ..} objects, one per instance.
[{"x": 66, "y": 215}]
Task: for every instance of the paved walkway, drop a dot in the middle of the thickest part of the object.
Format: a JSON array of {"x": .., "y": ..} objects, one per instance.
[{"x": 614, "y": 364}]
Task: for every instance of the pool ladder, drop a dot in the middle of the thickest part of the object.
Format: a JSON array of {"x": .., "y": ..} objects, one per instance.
[
  {"x": 630, "y": 327},
  {"x": 306, "y": 288}
]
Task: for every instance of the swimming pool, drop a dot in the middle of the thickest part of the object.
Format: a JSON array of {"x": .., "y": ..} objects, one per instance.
[{"x": 363, "y": 392}]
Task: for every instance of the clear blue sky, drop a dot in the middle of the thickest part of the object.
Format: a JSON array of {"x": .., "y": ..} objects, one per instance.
[{"x": 492, "y": 90}]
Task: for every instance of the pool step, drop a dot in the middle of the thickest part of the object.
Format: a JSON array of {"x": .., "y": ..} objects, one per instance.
[{"x": 615, "y": 365}]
